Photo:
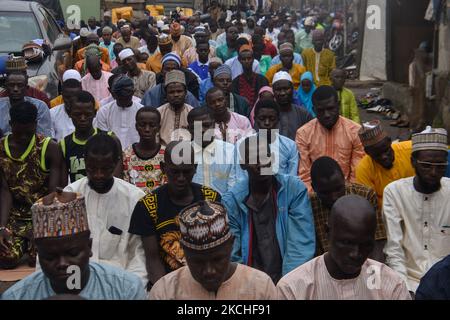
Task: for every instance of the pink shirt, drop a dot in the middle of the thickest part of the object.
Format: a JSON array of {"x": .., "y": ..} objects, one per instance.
[
  {"x": 113, "y": 64},
  {"x": 98, "y": 88}
]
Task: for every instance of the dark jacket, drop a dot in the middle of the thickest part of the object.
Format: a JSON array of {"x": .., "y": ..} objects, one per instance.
[{"x": 241, "y": 105}]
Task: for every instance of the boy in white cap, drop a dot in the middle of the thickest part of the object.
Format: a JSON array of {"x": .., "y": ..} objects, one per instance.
[
  {"x": 71, "y": 74},
  {"x": 210, "y": 275},
  {"x": 61, "y": 123},
  {"x": 416, "y": 210},
  {"x": 68, "y": 74},
  {"x": 80, "y": 41}
]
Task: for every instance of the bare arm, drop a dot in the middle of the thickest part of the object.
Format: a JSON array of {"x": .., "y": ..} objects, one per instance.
[
  {"x": 153, "y": 263},
  {"x": 54, "y": 160},
  {"x": 118, "y": 170},
  {"x": 64, "y": 174},
  {"x": 64, "y": 169},
  {"x": 5, "y": 207}
]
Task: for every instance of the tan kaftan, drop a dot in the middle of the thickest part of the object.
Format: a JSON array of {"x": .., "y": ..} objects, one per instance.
[{"x": 245, "y": 284}]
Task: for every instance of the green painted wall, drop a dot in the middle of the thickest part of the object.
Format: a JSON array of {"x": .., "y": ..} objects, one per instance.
[{"x": 81, "y": 9}]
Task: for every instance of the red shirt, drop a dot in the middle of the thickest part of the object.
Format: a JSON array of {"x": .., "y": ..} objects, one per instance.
[
  {"x": 270, "y": 49},
  {"x": 247, "y": 90}
]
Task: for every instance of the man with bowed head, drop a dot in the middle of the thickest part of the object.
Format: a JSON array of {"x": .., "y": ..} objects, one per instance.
[
  {"x": 63, "y": 239},
  {"x": 209, "y": 273},
  {"x": 416, "y": 210},
  {"x": 345, "y": 272}
]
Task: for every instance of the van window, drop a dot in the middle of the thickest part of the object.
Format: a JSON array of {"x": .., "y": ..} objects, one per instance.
[
  {"x": 50, "y": 25},
  {"x": 16, "y": 29}
]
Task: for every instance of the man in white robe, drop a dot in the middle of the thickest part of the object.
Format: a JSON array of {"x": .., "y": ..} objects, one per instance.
[
  {"x": 119, "y": 116},
  {"x": 110, "y": 202},
  {"x": 417, "y": 210}
]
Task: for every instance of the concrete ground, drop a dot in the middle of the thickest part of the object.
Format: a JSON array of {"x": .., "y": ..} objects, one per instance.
[{"x": 360, "y": 89}]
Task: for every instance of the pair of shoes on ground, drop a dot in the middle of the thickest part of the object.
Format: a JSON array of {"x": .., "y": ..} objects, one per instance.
[
  {"x": 374, "y": 103},
  {"x": 379, "y": 109},
  {"x": 392, "y": 115},
  {"x": 400, "y": 123}
]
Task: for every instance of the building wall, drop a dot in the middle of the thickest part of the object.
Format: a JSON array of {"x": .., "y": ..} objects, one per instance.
[
  {"x": 407, "y": 29},
  {"x": 443, "y": 74},
  {"x": 444, "y": 46},
  {"x": 373, "y": 60}
]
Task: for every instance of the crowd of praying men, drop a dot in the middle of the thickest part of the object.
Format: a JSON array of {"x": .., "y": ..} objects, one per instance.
[{"x": 219, "y": 160}]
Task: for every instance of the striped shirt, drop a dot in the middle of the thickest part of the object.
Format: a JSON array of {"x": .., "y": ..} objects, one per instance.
[
  {"x": 321, "y": 215},
  {"x": 311, "y": 281}
]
